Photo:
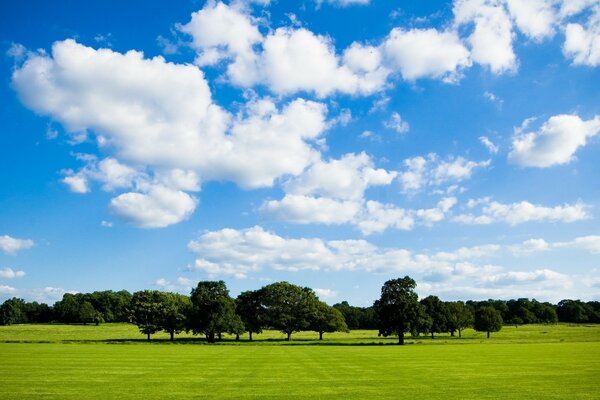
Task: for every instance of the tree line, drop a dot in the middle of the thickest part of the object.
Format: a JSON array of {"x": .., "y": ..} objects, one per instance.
[{"x": 210, "y": 311}]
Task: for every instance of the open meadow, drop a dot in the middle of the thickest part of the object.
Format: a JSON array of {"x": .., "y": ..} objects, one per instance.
[{"x": 114, "y": 361}]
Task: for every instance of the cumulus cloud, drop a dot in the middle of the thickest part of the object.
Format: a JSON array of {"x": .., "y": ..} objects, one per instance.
[
  {"x": 582, "y": 42},
  {"x": 9, "y": 273},
  {"x": 544, "y": 277},
  {"x": 426, "y": 171},
  {"x": 535, "y": 18},
  {"x": 522, "y": 212},
  {"x": 589, "y": 243},
  {"x": 492, "y": 35},
  {"x": 5, "y": 289},
  {"x": 160, "y": 118},
  {"x": 157, "y": 208},
  {"x": 555, "y": 143},
  {"x": 326, "y": 293},
  {"x": 419, "y": 53},
  {"x": 238, "y": 253},
  {"x": 181, "y": 284},
  {"x": 343, "y": 3},
  {"x": 301, "y": 209},
  {"x": 10, "y": 245}
]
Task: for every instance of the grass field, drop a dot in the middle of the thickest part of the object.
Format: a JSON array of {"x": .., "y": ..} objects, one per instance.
[{"x": 529, "y": 362}]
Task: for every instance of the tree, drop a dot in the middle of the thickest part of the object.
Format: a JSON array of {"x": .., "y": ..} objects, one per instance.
[
  {"x": 147, "y": 307},
  {"x": 398, "y": 307},
  {"x": 212, "y": 311},
  {"x": 327, "y": 319},
  {"x": 572, "y": 311},
  {"x": 12, "y": 311},
  {"x": 289, "y": 308},
  {"x": 487, "y": 319},
  {"x": 459, "y": 317},
  {"x": 249, "y": 307},
  {"x": 174, "y": 313},
  {"x": 436, "y": 310}
]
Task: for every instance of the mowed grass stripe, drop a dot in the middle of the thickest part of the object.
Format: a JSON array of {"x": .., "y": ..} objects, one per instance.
[{"x": 494, "y": 371}]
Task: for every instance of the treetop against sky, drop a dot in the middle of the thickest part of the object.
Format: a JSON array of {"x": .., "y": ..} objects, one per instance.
[{"x": 331, "y": 143}]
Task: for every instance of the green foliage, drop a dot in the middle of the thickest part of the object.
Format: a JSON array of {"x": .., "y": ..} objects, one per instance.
[
  {"x": 327, "y": 319},
  {"x": 487, "y": 319},
  {"x": 147, "y": 310},
  {"x": 398, "y": 307},
  {"x": 12, "y": 311},
  {"x": 175, "y": 308},
  {"x": 212, "y": 311},
  {"x": 438, "y": 314},
  {"x": 289, "y": 308},
  {"x": 357, "y": 317},
  {"x": 459, "y": 317},
  {"x": 249, "y": 307}
]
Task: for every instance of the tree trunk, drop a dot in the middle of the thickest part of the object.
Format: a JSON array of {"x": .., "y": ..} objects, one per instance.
[
  {"x": 148, "y": 336},
  {"x": 320, "y": 335},
  {"x": 237, "y": 337},
  {"x": 250, "y": 333},
  {"x": 401, "y": 338},
  {"x": 488, "y": 334},
  {"x": 289, "y": 336},
  {"x": 460, "y": 333},
  {"x": 432, "y": 335},
  {"x": 172, "y": 332},
  {"x": 452, "y": 333},
  {"x": 210, "y": 337},
  {"x": 220, "y": 336}
]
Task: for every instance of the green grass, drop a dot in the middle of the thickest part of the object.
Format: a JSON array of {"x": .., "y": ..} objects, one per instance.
[{"x": 530, "y": 362}]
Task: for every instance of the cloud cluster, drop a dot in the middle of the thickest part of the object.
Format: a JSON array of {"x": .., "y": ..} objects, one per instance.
[
  {"x": 156, "y": 115},
  {"x": 9, "y": 273},
  {"x": 11, "y": 246},
  {"x": 522, "y": 212}
]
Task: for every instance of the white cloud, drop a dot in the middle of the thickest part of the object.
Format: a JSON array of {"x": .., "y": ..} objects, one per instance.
[
  {"x": 554, "y": 143},
  {"x": 519, "y": 213},
  {"x": 419, "y": 53},
  {"x": 157, "y": 208},
  {"x": 345, "y": 178},
  {"x": 582, "y": 42},
  {"x": 573, "y": 7},
  {"x": 9, "y": 273},
  {"x": 543, "y": 277},
  {"x": 535, "y": 18},
  {"x": 11, "y": 245},
  {"x": 492, "y": 148},
  {"x": 491, "y": 39},
  {"x": 326, "y": 293},
  {"x": 159, "y": 117},
  {"x": 181, "y": 284},
  {"x": 106, "y": 224},
  {"x": 397, "y": 123},
  {"x": 432, "y": 171},
  {"x": 589, "y": 243},
  {"x": 343, "y": 3},
  {"x": 301, "y": 209},
  {"x": 4, "y": 289}
]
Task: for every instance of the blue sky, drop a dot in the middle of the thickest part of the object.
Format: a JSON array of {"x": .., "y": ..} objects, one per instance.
[{"x": 334, "y": 144}]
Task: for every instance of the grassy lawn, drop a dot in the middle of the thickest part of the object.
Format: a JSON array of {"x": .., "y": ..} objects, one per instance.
[{"x": 524, "y": 362}]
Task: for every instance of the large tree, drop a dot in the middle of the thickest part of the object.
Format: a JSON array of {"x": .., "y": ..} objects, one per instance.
[
  {"x": 459, "y": 317},
  {"x": 398, "y": 307},
  {"x": 147, "y": 310},
  {"x": 487, "y": 319},
  {"x": 174, "y": 313},
  {"x": 289, "y": 308},
  {"x": 12, "y": 311},
  {"x": 436, "y": 310},
  {"x": 327, "y": 319},
  {"x": 212, "y": 311},
  {"x": 249, "y": 307}
]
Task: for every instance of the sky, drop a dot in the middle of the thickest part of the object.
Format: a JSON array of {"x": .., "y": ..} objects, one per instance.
[{"x": 334, "y": 144}]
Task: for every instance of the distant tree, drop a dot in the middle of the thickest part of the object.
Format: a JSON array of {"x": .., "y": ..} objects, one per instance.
[
  {"x": 436, "y": 310},
  {"x": 87, "y": 314},
  {"x": 572, "y": 311},
  {"x": 459, "y": 317},
  {"x": 67, "y": 310},
  {"x": 289, "y": 308},
  {"x": 174, "y": 313},
  {"x": 327, "y": 319},
  {"x": 357, "y": 317},
  {"x": 12, "y": 311},
  {"x": 147, "y": 310},
  {"x": 249, "y": 307},
  {"x": 545, "y": 313},
  {"x": 422, "y": 322},
  {"x": 398, "y": 307},
  {"x": 487, "y": 319},
  {"x": 212, "y": 311}
]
